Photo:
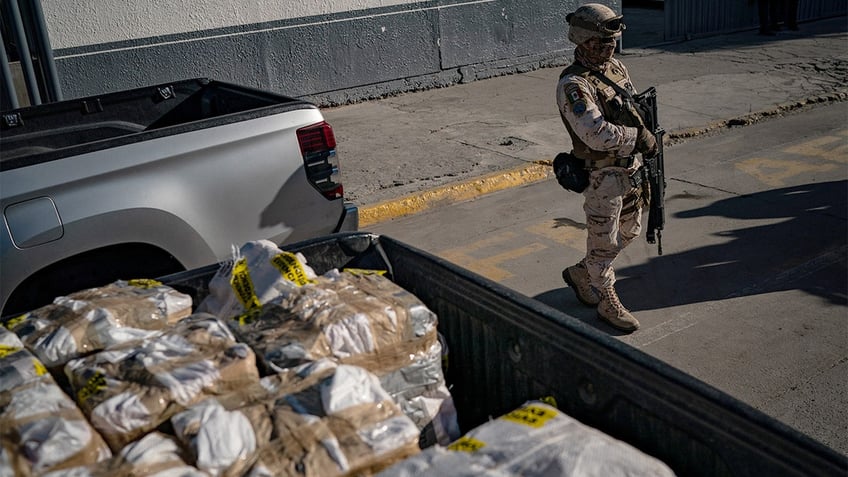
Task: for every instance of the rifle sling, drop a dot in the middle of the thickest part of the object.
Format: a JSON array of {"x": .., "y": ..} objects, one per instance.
[{"x": 618, "y": 89}]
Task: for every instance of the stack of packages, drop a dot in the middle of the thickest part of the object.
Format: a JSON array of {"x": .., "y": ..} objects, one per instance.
[
  {"x": 290, "y": 316},
  {"x": 98, "y": 318},
  {"x": 41, "y": 428},
  {"x": 535, "y": 440},
  {"x": 317, "y": 419},
  {"x": 131, "y": 389}
]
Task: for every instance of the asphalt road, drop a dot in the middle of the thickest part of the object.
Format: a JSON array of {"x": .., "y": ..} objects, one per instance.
[{"x": 751, "y": 292}]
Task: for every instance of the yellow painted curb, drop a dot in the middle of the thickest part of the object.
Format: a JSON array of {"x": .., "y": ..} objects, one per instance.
[{"x": 421, "y": 201}]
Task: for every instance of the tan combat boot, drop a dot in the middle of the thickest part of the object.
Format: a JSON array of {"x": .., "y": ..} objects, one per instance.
[
  {"x": 613, "y": 312},
  {"x": 577, "y": 277}
]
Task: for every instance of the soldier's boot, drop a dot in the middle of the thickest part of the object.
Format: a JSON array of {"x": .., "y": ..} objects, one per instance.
[
  {"x": 577, "y": 277},
  {"x": 613, "y": 312}
]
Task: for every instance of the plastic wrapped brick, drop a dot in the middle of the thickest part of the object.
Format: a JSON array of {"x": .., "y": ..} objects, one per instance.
[
  {"x": 223, "y": 442},
  {"x": 42, "y": 429},
  {"x": 258, "y": 273},
  {"x": 334, "y": 317},
  {"x": 319, "y": 419},
  {"x": 420, "y": 390},
  {"x": 345, "y": 424},
  {"x": 128, "y": 391},
  {"x": 98, "y": 318},
  {"x": 154, "y": 455},
  {"x": 17, "y": 365},
  {"x": 535, "y": 440}
]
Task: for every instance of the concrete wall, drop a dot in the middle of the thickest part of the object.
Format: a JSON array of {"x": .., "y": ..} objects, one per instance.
[
  {"x": 329, "y": 51},
  {"x": 692, "y": 18}
]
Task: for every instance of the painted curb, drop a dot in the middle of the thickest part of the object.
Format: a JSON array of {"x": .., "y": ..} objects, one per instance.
[
  {"x": 466, "y": 190},
  {"x": 542, "y": 170}
]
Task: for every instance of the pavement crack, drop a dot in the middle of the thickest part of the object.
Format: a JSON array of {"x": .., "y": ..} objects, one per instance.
[{"x": 718, "y": 189}]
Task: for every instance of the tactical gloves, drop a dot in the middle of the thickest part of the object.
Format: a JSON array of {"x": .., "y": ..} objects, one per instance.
[{"x": 646, "y": 143}]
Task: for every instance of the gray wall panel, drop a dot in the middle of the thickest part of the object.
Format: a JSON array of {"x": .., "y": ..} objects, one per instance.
[
  {"x": 502, "y": 30},
  {"x": 296, "y": 61},
  {"x": 342, "y": 57}
]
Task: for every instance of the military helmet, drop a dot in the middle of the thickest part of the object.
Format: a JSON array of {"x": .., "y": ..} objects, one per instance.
[{"x": 593, "y": 20}]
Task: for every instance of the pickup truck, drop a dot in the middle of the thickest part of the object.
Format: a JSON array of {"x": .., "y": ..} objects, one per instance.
[
  {"x": 501, "y": 349},
  {"x": 155, "y": 180}
]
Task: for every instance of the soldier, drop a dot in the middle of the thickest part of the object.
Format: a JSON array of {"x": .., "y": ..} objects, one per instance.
[{"x": 593, "y": 96}]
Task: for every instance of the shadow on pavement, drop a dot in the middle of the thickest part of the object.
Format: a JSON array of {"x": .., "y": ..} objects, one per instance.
[
  {"x": 802, "y": 247},
  {"x": 806, "y": 250}
]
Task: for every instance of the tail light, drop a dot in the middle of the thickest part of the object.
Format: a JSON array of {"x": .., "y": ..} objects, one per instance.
[{"x": 318, "y": 146}]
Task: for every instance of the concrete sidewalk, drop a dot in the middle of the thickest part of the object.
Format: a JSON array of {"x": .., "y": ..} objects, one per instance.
[{"x": 410, "y": 152}]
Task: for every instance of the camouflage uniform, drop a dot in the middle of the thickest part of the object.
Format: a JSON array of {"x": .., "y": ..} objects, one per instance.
[
  {"x": 606, "y": 133},
  {"x": 612, "y": 205}
]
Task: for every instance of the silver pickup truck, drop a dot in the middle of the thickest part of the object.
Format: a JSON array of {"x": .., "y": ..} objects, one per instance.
[{"x": 156, "y": 180}]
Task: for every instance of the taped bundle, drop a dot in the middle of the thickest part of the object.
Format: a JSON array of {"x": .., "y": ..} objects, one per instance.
[
  {"x": 17, "y": 365},
  {"x": 533, "y": 441},
  {"x": 318, "y": 419},
  {"x": 258, "y": 273},
  {"x": 128, "y": 391},
  {"x": 154, "y": 455},
  {"x": 42, "y": 429},
  {"x": 99, "y": 318}
]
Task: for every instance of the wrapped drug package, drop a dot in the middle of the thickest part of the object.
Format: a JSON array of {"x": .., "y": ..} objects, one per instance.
[
  {"x": 17, "y": 365},
  {"x": 154, "y": 455},
  {"x": 290, "y": 316},
  {"x": 535, "y": 440},
  {"x": 258, "y": 273},
  {"x": 317, "y": 419},
  {"x": 129, "y": 390},
  {"x": 41, "y": 427},
  {"x": 98, "y": 318}
]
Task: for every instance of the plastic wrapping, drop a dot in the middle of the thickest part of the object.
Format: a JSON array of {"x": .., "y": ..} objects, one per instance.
[
  {"x": 98, "y": 318},
  {"x": 258, "y": 273},
  {"x": 325, "y": 419},
  {"x": 154, "y": 455},
  {"x": 17, "y": 365},
  {"x": 366, "y": 320},
  {"x": 345, "y": 424},
  {"x": 222, "y": 442},
  {"x": 42, "y": 429},
  {"x": 535, "y": 440},
  {"x": 337, "y": 317},
  {"x": 127, "y": 391}
]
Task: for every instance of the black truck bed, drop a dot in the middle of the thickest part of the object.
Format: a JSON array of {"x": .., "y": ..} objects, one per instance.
[{"x": 505, "y": 348}]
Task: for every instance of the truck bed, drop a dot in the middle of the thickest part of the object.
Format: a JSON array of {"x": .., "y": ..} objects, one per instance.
[
  {"x": 505, "y": 348},
  {"x": 55, "y": 130}
]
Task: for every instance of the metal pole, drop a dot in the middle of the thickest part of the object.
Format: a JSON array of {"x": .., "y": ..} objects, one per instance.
[
  {"x": 10, "y": 96},
  {"x": 46, "y": 52},
  {"x": 23, "y": 48}
]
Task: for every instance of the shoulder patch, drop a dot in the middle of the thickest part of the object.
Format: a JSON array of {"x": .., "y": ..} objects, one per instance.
[
  {"x": 578, "y": 107},
  {"x": 573, "y": 93}
]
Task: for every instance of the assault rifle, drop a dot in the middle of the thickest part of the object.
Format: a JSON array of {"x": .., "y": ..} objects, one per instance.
[{"x": 647, "y": 103}]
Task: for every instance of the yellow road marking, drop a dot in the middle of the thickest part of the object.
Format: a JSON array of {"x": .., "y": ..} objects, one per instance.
[
  {"x": 774, "y": 172},
  {"x": 564, "y": 234},
  {"x": 829, "y": 148},
  {"x": 489, "y": 266}
]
